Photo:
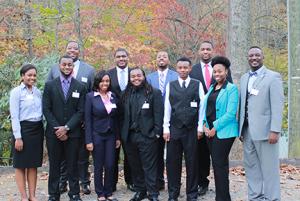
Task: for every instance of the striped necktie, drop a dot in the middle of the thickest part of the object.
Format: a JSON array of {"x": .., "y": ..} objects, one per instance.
[{"x": 161, "y": 82}]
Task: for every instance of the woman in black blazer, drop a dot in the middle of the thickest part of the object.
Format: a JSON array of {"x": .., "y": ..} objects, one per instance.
[{"x": 102, "y": 134}]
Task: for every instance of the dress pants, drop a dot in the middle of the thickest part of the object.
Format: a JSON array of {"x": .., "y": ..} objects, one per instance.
[
  {"x": 185, "y": 144},
  {"x": 219, "y": 150},
  {"x": 126, "y": 168},
  {"x": 57, "y": 151},
  {"x": 104, "y": 159},
  {"x": 83, "y": 164},
  {"x": 142, "y": 158},
  {"x": 204, "y": 162},
  {"x": 261, "y": 161},
  {"x": 160, "y": 181}
]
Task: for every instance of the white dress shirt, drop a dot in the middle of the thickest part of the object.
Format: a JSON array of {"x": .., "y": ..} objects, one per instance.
[
  {"x": 167, "y": 109},
  {"x": 203, "y": 70},
  {"x": 253, "y": 78},
  {"x": 119, "y": 70},
  {"x": 76, "y": 67}
]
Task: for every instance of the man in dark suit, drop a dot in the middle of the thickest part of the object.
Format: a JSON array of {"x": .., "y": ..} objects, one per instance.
[
  {"x": 119, "y": 76},
  {"x": 63, "y": 103},
  {"x": 84, "y": 73},
  {"x": 203, "y": 72},
  {"x": 159, "y": 80},
  {"x": 142, "y": 127}
]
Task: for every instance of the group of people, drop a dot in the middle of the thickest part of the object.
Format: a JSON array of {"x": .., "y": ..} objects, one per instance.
[{"x": 192, "y": 111}]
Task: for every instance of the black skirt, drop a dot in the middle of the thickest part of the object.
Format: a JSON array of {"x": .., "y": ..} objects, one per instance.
[{"x": 32, "y": 154}]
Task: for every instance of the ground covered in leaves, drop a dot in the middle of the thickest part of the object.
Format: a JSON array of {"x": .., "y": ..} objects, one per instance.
[{"x": 290, "y": 186}]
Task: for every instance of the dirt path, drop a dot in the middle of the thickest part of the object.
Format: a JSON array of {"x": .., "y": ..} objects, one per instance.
[{"x": 290, "y": 187}]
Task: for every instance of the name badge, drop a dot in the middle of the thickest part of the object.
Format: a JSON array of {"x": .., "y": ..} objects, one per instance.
[
  {"x": 146, "y": 106},
  {"x": 84, "y": 79},
  {"x": 194, "y": 104},
  {"x": 113, "y": 105},
  {"x": 75, "y": 95},
  {"x": 29, "y": 97},
  {"x": 254, "y": 92}
]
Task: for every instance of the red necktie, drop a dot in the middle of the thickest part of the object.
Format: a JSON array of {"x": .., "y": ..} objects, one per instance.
[{"x": 207, "y": 76}]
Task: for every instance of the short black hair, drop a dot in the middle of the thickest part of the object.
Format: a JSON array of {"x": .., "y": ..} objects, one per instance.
[
  {"x": 121, "y": 50},
  {"x": 73, "y": 41},
  {"x": 207, "y": 41},
  {"x": 220, "y": 60},
  {"x": 98, "y": 78},
  {"x": 184, "y": 59},
  {"x": 25, "y": 68},
  {"x": 255, "y": 47},
  {"x": 64, "y": 57}
]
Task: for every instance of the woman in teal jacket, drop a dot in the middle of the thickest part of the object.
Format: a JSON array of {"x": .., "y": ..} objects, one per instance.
[{"x": 220, "y": 124}]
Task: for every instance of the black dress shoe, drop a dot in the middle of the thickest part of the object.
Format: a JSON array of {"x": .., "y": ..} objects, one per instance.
[
  {"x": 75, "y": 198},
  {"x": 154, "y": 199},
  {"x": 53, "y": 199},
  {"x": 138, "y": 196},
  {"x": 63, "y": 187},
  {"x": 202, "y": 190},
  {"x": 131, "y": 187},
  {"x": 86, "y": 189},
  {"x": 112, "y": 199},
  {"x": 172, "y": 199}
]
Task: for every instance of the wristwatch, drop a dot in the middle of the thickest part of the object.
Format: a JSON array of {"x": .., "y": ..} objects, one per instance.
[{"x": 67, "y": 127}]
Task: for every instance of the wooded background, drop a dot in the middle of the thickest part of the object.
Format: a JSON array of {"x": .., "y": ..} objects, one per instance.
[{"x": 37, "y": 31}]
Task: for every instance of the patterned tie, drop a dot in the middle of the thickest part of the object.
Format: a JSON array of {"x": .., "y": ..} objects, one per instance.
[
  {"x": 183, "y": 84},
  {"x": 207, "y": 76},
  {"x": 65, "y": 87},
  {"x": 161, "y": 82},
  {"x": 122, "y": 80},
  {"x": 253, "y": 74}
]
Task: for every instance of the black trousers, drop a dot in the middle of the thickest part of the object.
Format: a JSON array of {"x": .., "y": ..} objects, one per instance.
[
  {"x": 127, "y": 171},
  {"x": 160, "y": 163},
  {"x": 187, "y": 145},
  {"x": 57, "y": 151},
  {"x": 142, "y": 157},
  {"x": 219, "y": 150},
  {"x": 204, "y": 162},
  {"x": 83, "y": 164}
]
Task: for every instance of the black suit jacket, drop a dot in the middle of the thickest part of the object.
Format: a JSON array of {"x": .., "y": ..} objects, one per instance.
[
  {"x": 59, "y": 111},
  {"x": 197, "y": 74},
  {"x": 150, "y": 120}
]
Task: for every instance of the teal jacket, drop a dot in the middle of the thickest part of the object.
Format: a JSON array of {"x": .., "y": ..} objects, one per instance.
[{"x": 226, "y": 123}]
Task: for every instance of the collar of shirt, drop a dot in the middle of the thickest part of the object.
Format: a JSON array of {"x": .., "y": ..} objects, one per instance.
[
  {"x": 96, "y": 93},
  {"x": 62, "y": 78},
  {"x": 257, "y": 71},
  {"x": 76, "y": 67},
  {"x": 203, "y": 65},
  {"x": 23, "y": 87},
  {"x": 165, "y": 72},
  {"x": 120, "y": 69},
  {"x": 187, "y": 81}
]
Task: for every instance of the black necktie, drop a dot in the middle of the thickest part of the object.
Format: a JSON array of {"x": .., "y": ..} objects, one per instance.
[{"x": 183, "y": 84}]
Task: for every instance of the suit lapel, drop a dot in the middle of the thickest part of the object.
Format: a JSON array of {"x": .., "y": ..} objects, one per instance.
[
  {"x": 79, "y": 72},
  {"x": 259, "y": 79},
  {"x": 115, "y": 79},
  {"x": 71, "y": 88},
  {"x": 244, "y": 86}
]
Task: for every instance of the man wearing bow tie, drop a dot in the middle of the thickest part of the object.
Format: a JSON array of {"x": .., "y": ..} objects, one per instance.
[{"x": 260, "y": 119}]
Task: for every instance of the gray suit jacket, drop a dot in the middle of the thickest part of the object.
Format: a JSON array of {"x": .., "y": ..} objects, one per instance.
[
  {"x": 265, "y": 108},
  {"x": 85, "y": 74}
]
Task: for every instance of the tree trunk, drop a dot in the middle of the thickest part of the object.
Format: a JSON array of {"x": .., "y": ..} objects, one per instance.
[
  {"x": 28, "y": 30},
  {"x": 294, "y": 77},
  {"x": 238, "y": 44},
  {"x": 58, "y": 21},
  {"x": 77, "y": 22}
]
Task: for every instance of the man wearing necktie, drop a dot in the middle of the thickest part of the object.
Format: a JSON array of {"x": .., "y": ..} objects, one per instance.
[
  {"x": 203, "y": 72},
  {"x": 260, "y": 120},
  {"x": 119, "y": 79},
  {"x": 84, "y": 73},
  {"x": 159, "y": 79},
  {"x": 63, "y": 103},
  {"x": 182, "y": 128}
]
